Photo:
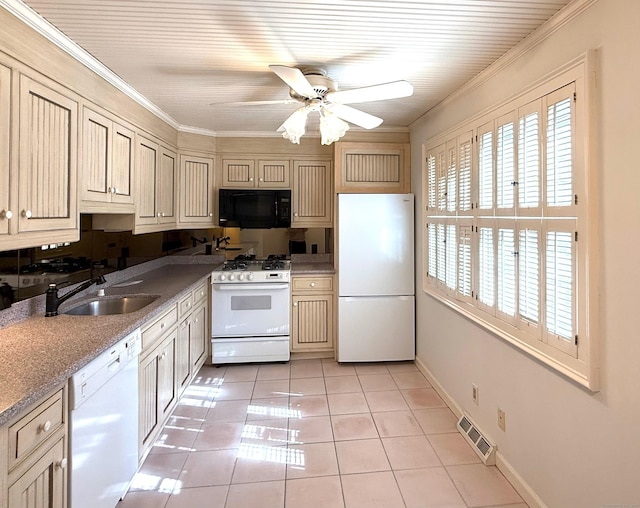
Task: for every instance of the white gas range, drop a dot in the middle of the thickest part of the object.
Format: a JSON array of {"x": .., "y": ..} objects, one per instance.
[{"x": 251, "y": 307}]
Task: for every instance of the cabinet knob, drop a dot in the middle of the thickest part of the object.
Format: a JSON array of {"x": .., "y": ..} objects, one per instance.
[
  {"x": 295, "y": 304},
  {"x": 262, "y": 179},
  {"x": 61, "y": 464},
  {"x": 295, "y": 214},
  {"x": 312, "y": 284},
  {"x": 6, "y": 214},
  {"x": 161, "y": 214},
  {"x": 210, "y": 214},
  {"x": 161, "y": 326},
  {"x": 46, "y": 426},
  {"x": 158, "y": 214},
  {"x": 26, "y": 214},
  {"x": 115, "y": 190},
  {"x": 251, "y": 179}
]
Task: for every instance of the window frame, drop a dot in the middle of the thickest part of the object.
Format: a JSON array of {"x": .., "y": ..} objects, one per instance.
[{"x": 577, "y": 359}]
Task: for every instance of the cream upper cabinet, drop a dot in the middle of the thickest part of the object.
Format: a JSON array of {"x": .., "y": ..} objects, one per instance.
[
  {"x": 196, "y": 192},
  {"x": 6, "y": 213},
  {"x": 256, "y": 173},
  {"x": 107, "y": 158},
  {"x": 155, "y": 202},
  {"x": 312, "y": 194},
  {"x": 372, "y": 167},
  {"x": 47, "y": 164}
]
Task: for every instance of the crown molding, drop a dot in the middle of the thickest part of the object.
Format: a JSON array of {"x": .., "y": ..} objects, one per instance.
[{"x": 32, "y": 19}]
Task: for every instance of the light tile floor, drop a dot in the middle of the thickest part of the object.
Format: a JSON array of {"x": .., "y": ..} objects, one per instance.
[{"x": 314, "y": 434}]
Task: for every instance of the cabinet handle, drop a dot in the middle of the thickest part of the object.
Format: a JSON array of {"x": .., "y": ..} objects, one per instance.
[
  {"x": 46, "y": 426},
  {"x": 6, "y": 214},
  {"x": 312, "y": 284},
  {"x": 61, "y": 464},
  {"x": 26, "y": 214}
]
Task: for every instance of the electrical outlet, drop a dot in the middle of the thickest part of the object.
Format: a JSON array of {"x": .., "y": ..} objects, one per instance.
[
  {"x": 502, "y": 420},
  {"x": 475, "y": 394}
]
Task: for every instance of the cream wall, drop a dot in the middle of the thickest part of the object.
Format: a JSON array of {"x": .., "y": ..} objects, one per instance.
[{"x": 573, "y": 448}]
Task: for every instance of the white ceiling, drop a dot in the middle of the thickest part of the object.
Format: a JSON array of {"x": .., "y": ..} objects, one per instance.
[{"x": 183, "y": 55}]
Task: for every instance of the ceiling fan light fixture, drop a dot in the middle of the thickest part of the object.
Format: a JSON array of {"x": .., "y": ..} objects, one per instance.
[
  {"x": 332, "y": 128},
  {"x": 294, "y": 126}
]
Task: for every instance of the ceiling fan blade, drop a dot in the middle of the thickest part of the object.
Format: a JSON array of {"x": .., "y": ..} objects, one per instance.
[
  {"x": 255, "y": 103},
  {"x": 354, "y": 116},
  {"x": 393, "y": 90},
  {"x": 295, "y": 79}
]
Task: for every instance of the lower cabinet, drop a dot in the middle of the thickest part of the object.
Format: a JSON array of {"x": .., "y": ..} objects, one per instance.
[
  {"x": 312, "y": 316},
  {"x": 36, "y": 469}
]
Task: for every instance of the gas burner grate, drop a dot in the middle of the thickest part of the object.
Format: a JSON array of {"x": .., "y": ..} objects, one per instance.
[
  {"x": 235, "y": 265},
  {"x": 273, "y": 264}
]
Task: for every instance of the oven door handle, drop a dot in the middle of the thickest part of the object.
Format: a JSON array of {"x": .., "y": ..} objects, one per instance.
[{"x": 249, "y": 287}]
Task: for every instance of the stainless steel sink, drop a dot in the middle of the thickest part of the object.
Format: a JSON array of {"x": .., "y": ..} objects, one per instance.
[{"x": 108, "y": 306}]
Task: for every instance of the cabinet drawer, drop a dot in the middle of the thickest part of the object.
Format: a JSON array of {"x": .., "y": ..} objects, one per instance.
[
  {"x": 185, "y": 305},
  {"x": 312, "y": 284},
  {"x": 200, "y": 293},
  {"x": 163, "y": 324},
  {"x": 34, "y": 428}
]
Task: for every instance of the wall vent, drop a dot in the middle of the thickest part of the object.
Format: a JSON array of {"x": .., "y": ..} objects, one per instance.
[{"x": 485, "y": 450}]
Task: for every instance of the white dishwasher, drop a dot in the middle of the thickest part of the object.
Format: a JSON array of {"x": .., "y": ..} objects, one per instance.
[{"x": 103, "y": 398}]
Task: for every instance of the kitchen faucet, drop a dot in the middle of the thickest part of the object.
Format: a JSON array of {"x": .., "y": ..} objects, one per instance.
[
  {"x": 224, "y": 239},
  {"x": 53, "y": 301}
]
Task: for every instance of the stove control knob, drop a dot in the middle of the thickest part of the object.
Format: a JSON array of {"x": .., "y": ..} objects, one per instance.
[
  {"x": 231, "y": 277},
  {"x": 223, "y": 277},
  {"x": 241, "y": 277},
  {"x": 250, "y": 276}
]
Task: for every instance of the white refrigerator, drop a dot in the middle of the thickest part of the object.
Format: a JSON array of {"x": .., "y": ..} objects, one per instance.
[{"x": 376, "y": 281}]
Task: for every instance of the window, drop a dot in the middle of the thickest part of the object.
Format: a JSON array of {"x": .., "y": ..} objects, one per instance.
[{"x": 505, "y": 199}]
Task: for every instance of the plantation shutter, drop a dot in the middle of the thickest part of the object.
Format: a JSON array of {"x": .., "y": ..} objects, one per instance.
[
  {"x": 441, "y": 175},
  {"x": 452, "y": 176},
  {"x": 559, "y": 143},
  {"x": 486, "y": 270},
  {"x": 529, "y": 157},
  {"x": 529, "y": 276},
  {"x": 464, "y": 262},
  {"x": 431, "y": 181},
  {"x": 432, "y": 250},
  {"x": 560, "y": 290},
  {"x": 485, "y": 167},
  {"x": 505, "y": 165},
  {"x": 464, "y": 172},
  {"x": 441, "y": 256},
  {"x": 451, "y": 254},
  {"x": 506, "y": 272}
]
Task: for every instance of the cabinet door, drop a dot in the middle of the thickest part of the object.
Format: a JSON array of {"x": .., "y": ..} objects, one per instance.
[
  {"x": 96, "y": 161},
  {"x": 167, "y": 385},
  {"x": 166, "y": 187},
  {"x": 198, "y": 339},
  {"x": 238, "y": 173},
  {"x": 147, "y": 169},
  {"x": 47, "y": 159},
  {"x": 196, "y": 191},
  {"x": 312, "y": 194},
  {"x": 183, "y": 362},
  {"x": 148, "y": 400},
  {"x": 274, "y": 174},
  {"x": 5, "y": 119},
  {"x": 43, "y": 485},
  {"x": 312, "y": 321},
  {"x": 122, "y": 165}
]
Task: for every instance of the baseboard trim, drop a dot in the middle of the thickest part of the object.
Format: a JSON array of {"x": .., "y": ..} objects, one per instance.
[{"x": 522, "y": 487}]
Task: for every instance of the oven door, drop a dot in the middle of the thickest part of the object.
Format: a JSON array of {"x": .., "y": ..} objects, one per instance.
[{"x": 250, "y": 310}]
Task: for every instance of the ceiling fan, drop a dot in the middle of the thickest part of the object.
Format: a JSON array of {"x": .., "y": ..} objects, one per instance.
[{"x": 311, "y": 87}]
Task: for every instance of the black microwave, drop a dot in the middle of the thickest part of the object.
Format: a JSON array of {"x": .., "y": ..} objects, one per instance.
[{"x": 254, "y": 209}]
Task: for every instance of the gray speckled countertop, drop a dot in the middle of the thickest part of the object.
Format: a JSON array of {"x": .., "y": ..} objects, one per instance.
[
  {"x": 39, "y": 354},
  {"x": 309, "y": 264}
]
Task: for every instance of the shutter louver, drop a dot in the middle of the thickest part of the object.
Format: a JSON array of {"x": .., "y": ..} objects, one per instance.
[
  {"x": 464, "y": 175},
  {"x": 559, "y": 154},
  {"x": 441, "y": 170},
  {"x": 486, "y": 290},
  {"x": 559, "y": 281},
  {"x": 529, "y": 275},
  {"x": 485, "y": 174},
  {"x": 432, "y": 250},
  {"x": 452, "y": 175},
  {"x": 441, "y": 256},
  {"x": 529, "y": 162},
  {"x": 506, "y": 272},
  {"x": 505, "y": 166},
  {"x": 431, "y": 181},
  {"x": 464, "y": 261},
  {"x": 451, "y": 256}
]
